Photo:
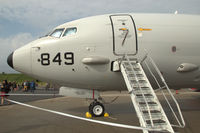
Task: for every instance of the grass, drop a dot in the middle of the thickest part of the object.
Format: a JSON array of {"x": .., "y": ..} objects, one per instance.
[{"x": 18, "y": 78}]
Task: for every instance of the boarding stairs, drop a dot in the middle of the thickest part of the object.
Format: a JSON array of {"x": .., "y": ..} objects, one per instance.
[{"x": 148, "y": 108}]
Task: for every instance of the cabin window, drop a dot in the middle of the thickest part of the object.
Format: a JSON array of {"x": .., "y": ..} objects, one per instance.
[
  {"x": 70, "y": 31},
  {"x": 57, "y": 32}
]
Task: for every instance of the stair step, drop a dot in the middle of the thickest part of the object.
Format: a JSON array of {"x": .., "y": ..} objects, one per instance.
[
  {"x": 144, "y": 91},
  {"x": 144, "y": 108},
  {"x": 149, "y": 103},
  {"x": 136, "y": 72},
  {"x": 133, "y": 63},
  {"x": 153, "y": 116},
  {"x": 143, "y": 86},
  {"x": 151, "y": 111},
  {"x": 145, "y": 95},
  {"x": 133, "y": 82},
  {"x": 147, "y": 99},
  {"x": 135, "y": 69},
  {"x": 139, "y": 78},
  {"x": 140, "y": 81},
  {"x": 152, "y": 106},
  {"x": 128, "y": 66},
  {"x": 143, "y": 104},
  {"x": 158, "y": 126},
  {"x": 158, "y": 121},
  {"x": 138, "y": 75}
]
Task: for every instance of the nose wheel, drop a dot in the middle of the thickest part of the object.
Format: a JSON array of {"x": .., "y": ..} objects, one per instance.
[{"x": 96, "y": 109}]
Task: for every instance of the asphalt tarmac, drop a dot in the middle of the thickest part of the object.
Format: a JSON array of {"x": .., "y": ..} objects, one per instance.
[{"x": 19, "y": 119}]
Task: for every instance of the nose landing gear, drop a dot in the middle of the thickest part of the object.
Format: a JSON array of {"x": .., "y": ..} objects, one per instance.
[{"x": 96, "y": 109}]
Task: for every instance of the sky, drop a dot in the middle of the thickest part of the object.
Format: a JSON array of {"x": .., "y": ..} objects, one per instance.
[{"x": 22, "y": 21}]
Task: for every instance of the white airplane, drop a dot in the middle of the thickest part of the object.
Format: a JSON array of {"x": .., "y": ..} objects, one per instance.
[{"x": 100, "y": 53}]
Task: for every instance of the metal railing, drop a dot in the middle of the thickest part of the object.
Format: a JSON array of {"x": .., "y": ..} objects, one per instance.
[
  {"x": 153, "y": 64},
  {"x": 138, "y": 84}
]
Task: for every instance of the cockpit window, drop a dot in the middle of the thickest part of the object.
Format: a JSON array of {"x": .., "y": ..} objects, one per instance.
[
  {"x": 57, "y": 33},
  {"x": 70, "y": 31}
]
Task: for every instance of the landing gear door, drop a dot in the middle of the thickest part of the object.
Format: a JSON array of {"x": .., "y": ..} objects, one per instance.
[{"x": 124, "y": 35}]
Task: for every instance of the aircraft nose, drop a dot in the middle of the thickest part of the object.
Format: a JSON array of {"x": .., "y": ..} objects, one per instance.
[
  {"x": 20, "y": 59},
  {"x": 10, "y": 60}
]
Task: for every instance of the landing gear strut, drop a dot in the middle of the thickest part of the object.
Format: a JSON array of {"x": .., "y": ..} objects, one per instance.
[{"x": 96, "y": 109}]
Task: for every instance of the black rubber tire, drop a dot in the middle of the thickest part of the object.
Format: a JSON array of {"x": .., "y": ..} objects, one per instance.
[{"x": 96, "y": 106}]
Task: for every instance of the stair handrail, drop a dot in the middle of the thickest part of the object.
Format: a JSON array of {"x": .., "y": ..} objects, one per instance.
[
  {"x": 165, "y": 84},
  {"x": 135, "y": 75},
  {"x": 162, "y": 93},
  {"x": 121, "y": 59},
  {"x": 177, "y": 105}
]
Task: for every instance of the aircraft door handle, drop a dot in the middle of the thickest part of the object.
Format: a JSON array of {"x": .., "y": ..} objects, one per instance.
[{"x": 126, "y": 31}]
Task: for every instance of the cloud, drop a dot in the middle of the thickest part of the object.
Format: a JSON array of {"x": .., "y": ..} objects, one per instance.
[
  {"x": 10, "y": 44},
  {"x": 46, "y": 13},
  {"x": 13, "y": 42}
]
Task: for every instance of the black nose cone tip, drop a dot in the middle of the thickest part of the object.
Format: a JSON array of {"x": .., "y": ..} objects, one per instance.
[{"x": 10, "y": 60}]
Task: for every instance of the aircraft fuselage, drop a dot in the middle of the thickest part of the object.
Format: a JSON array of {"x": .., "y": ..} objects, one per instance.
[{"x": 83, "y": 57}]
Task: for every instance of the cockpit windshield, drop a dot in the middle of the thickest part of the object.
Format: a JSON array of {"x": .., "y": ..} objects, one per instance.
[
  {"x": 70, "y": 31},
  {"x": 57, "y": 33}
]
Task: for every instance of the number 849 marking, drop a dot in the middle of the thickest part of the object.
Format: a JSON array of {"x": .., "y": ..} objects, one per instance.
[{"x": 68, "y": 59}]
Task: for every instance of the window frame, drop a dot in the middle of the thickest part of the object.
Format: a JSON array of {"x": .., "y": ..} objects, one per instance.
[
  {"x": 63, "y": 29},
  {"x": 63, "y": 35}
]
